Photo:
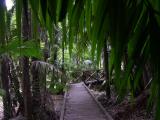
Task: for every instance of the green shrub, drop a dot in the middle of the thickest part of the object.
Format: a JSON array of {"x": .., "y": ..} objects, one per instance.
[{"x": 57, "y": 88}]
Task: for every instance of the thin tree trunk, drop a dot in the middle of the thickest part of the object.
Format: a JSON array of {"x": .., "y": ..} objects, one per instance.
[
  {"x": 25, "y": 63},
  {"x": 63, "y": 72},
  {"x": 44, "y": 80},
  {"x": 54, "y": 57},
  {"x": 106, "y": 69},
  {"x": 63, "y": 43}
]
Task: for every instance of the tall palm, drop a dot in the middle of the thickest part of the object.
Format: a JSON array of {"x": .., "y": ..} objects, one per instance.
[{"x": 26, "y": 33}]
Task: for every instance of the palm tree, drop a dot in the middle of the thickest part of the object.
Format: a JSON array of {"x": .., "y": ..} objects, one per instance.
[{"x": 26, "y": 33}]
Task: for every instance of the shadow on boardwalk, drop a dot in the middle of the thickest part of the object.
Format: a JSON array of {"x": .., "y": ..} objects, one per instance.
[{"x": 80, "y": 105}]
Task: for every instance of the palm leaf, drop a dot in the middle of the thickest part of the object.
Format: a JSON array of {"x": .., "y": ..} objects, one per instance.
[{"x": 18, "y": 17}]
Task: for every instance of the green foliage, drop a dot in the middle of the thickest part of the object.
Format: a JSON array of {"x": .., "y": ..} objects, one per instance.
[
  {"x": 2, "y": 92},
  {"x": 18, "y": 18},
  {"x": 62, "y": 11},
  {"x": 28, "y": 48},
  {"x": 57, "y": 88}
]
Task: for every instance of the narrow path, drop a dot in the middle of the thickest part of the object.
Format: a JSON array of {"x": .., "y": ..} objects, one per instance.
[{"x": 80, "y": 105}]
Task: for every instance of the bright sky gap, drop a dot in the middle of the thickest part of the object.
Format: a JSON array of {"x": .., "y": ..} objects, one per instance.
[{"x": 9, "y": 4}]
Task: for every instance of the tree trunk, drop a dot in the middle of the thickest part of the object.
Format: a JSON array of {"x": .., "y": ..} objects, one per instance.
[
  {"x": 36, "y": 92},
  {"x": 26, "y": 89},
  {"x": 63, "y": 71},
  {"x": 5, "y": 86},
  {"x": 54, "y": 59},
  {"x": 16, "y": 85},
  {"x": 106, "y": 69},
  {"x": 63, "y": 43},
  {"x": 25, "y": 63}
]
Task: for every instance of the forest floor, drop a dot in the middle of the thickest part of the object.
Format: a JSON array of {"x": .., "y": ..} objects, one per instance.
[
  {"x": 122, "y": 110},
  {"x": 58, "y": 102}
]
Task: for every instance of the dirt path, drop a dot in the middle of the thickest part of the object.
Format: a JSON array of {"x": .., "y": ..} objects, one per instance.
[{"x": 80, "y": 105}]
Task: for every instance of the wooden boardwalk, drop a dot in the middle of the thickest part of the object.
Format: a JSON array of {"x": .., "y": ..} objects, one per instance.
[{"x": 80, "y": 105}]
